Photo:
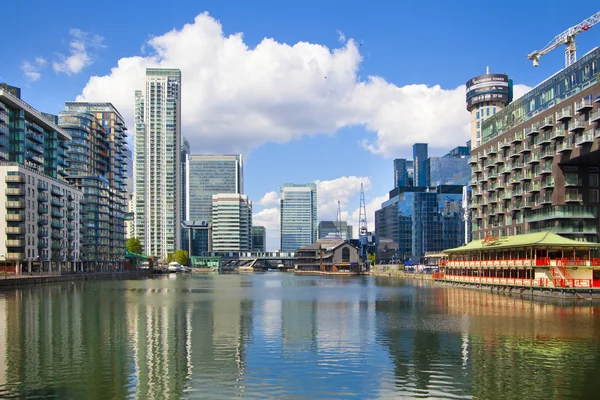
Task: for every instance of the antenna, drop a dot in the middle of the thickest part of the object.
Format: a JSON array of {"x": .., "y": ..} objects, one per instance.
[
  {"x": 487, "y": 70},
  {"x": 362, "y": 215},
  {"x": 339, "y": 221}
]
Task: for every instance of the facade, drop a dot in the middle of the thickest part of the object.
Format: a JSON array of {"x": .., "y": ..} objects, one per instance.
[
  {"x": 231, "y": 223},
  {"x": 196, "y": 237},
  {"x": 328, "y": 256},
  {"x": 333, "y": 228},
  {"x": 403, "y": 172},
  {"x": 420, "y": 164},
  {"x": 129, "y": 170},
  {"x": 486, "y": 95},
  {"x": 298, "y": 215},
  {"x": 98, "y": 167},
  {"x": 157, "y": 166},
  {"x": 448, "y": 170},
  {"x": 41, "y": 210},
  {"x": 185, "y": 151},
  {"x": 421, "y": 220},
  {"x": 208, "y": 175},
  {"x": 538, "y": 166},
  {"x": 259, "y": 239}
]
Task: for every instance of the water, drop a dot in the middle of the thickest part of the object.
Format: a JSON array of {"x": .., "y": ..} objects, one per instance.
[{"x": 290, "y": 337}]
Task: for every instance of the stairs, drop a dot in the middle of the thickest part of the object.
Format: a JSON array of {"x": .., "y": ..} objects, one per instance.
[{"x": 561, "y": 277}]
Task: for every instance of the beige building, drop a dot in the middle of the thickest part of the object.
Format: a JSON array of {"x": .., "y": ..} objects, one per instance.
[{"x": 231, "y": 222}]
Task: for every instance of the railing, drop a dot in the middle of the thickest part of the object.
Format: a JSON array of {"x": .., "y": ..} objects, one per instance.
[
  {"x": 526, "y": 262},
  {"x": 524, "y": 282}
]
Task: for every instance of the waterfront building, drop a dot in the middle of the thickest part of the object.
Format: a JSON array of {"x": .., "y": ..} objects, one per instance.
[
  {"x": 39, "y": 207},
  {"x": 211, "y": 174},
  {"x": 331, "y": 255},
  {"x": 98, "y": 167},
  {"x": 403, "y": 172},
  {"x": 420, "y": 164},
  {"x": 259, "y": 239},
  {"x": 533, "y": 261},
  {"x": 333, "y": 228},
  {"x": 298, "y": 215},
  {"x": 196, "y": 237},
  {"x": 422, "y": 220},
  {"x": 537, "y": 166},
  {"x": 486, "y": 95},
  {"x": 231, "y": 222},
  {"x": 157, "y": 164}
]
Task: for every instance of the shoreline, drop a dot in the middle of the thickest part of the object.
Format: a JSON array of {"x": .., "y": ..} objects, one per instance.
[{"x": 26, "y": 280}]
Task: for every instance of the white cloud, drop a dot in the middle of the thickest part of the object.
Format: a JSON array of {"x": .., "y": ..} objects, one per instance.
[
  {"x": 270, "y": 199},
  {"x": 32, "y": 69},
  {"x": 341, "y": 36},
  {"x": 81, "y": 51},
  {"x": 236, "y": 98},
  {"x": 269, "y": 218}
]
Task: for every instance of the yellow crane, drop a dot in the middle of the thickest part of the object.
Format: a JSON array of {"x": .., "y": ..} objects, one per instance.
[{"x": 568, "y": 39}]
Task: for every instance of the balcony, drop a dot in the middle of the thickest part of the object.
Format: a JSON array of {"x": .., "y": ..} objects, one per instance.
[
  {"x": 516, "y": 165},
  {"x": 42, "y": 221},
  {"x": 573, "y": 181},
  {"x": 584, "y": 138},
  {"x": 535, "y": 128},
  {"x": 545, "y": 138},
  {"x": 56, "y": 191},
  {"x": 584, "y": 104},
  {"x": 42, "y": 186},
  {"x": 526, "y": 148},
  {"x": 42, "y": 233},
  {"x": 547, "y": 153},
  {"x": 70, "y": 226},
  {"x": 573, "y": 196},
  {"x": 43, "y": 197},
  {"x": 564, "y": 146},
  {"x": 534, "y": 158},
  {"x": 505, "y": 144},
  {"x": 472, "y": 160},
  {"x": 18, "y": 217},
  {"x": 595, "y": 116},
  {"x": 517, "y": 138},
  {"x": 15, "y": 243},
  {"x": 15, "y": 178},
  {"x": 527, "y": 175},
  {"x": 547, "y": 123},
  {"x": 15, "y": 230},
  {"x": 15, "y": 192},
  {"x": 15, "y": 204},
  {"x": 57, "y": 203},
  {"x": 564, "y": 114},
  {"x": 534, "y": 187},
  {"x": 546, "y": 199},
  {"x": 482, "y": 155},
  {"x": 493, "y": 150},
  {"x": 577, "y": 124},
  {"x": 558, "y": 133},
  {"x": 526, "y": 203},
  {"x": 42, "y": 209},
  {"x": 507, "y": 194},
  {"x": 546, "y": 168},
  {"x": 15, "y": 256}
]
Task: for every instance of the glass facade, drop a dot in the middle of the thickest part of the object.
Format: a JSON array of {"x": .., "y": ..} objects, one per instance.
[
  {"x": 403, "y": 172},
  {"x": 195, "y": 238},
  {"x": 259, "y": 238},
  {"x": 208, "y": 175},
  {"x": 420, "y": 159},
  {"x": 327, "y": 228},
  {"x": 448, "y": 171},
  {"x": 298, "y": 216}
]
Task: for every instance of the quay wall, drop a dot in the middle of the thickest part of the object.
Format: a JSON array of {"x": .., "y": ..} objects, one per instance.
[{"x": 51, "y": 278}]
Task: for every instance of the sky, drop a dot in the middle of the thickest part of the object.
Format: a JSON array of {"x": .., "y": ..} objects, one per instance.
[{"x": 309, "y": 91}]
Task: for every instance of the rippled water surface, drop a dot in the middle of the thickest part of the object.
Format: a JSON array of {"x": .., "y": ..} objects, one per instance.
[{"x": 290, "y": 337}]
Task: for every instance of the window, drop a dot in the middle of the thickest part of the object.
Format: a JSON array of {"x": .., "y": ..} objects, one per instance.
[
  {"x": 594, "y": 195},
  {"x": 593, "y": 180},
  {"x": 478, "y": 135},
  {"x": 477, "y": 115},
  {"x": 494, "y": 110},
  {"x": 345, "y": 254},
  {"x": 478, "y": 124},
  {"x": 487, "y": 112}
]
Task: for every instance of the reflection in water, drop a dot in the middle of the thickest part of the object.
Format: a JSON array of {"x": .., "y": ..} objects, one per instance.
[{"x": 280, "y": 335}]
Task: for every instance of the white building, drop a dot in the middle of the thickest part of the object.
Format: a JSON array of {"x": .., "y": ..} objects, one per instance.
[
  {"x": 41, "y": 216},
  {"x": 231, "y": 222},
  {"x": 157, "y": 167}
]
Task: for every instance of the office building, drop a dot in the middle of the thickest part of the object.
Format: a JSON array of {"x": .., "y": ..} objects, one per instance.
[
  {"x": 196, "y": 237},
  {"x": 486, "y": 95},
  {"x": 129, "y": 170},
  {"x": 403, "y": 172},
  {"x": 537, "y": 168},
  {"x": 259, "y": 238},
  {"x": 298, "y": 215},
  {"x": 334, "y": 229},
  {"x": 40, "y": 209},
  {"x": 185, "y": 151},
  {"x": 208, "y": 175},
  {"x": 157, "y": 164},
  {"x": 420, "y": 164},
  {"x": 231, "y": 222},
  {"x": 451, "y": 169}
]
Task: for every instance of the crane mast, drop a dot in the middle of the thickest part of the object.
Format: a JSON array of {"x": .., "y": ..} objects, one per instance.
[{"x": 568, "y": 39}]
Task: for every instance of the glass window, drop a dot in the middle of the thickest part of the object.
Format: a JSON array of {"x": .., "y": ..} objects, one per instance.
[
  {"x": 494, "y": 110},
  {"x": 594, "y": 195},
  {"x": 478, "y": 124},
  {"x": 488, "y": 112},
  {"x": 477, "y": 115},
  {"x": 593, "y": 180}
]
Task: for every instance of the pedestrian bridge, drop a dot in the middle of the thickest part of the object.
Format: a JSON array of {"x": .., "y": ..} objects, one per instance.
[{"x": 259, "y": 261}]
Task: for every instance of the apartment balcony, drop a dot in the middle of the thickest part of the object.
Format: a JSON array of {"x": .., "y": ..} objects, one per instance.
[
  {"x": 473, "y": 160},
  {"x": 15, "y": 192},
  {"x": 507, "y": 194},
  {"x": 57, "y": 225},
  {"x": 15, "y": 256},
  {"x": 498, "y": 161},
  {"x": 573, "y": 181},
  {"x": 535, "y": 129},
  {"x": 493, "y": 150},
  {"x": 595, "y": 116},
  {"x": 42, "y": 243},
  {"x": 482, "y": 155},
  {"x": 70, "y": 207},
  {"x": 558, "y": 133},
  {"x": 517, "y": 138},
  {"x": 526, "y": 203},
  {"x": 547, "y": 153},
  {"x": 505, "y": 144},
  {"x": 70, "y": 216},
  {"x": 564, "y": 146},
  {"x": 546, "y": 138},
  {"x": 516, "y": 166},
  {"x": 15, "y": 179},
  {"x": 546, "y": 199},
  {"x": 526, "y": 176},
  {"x": 56, "y": 235},
  {"x": 57, "y": 202},
  {"x": 585, "y": 138},
  {"x": 42, "y": 233},
  {"x": 15, "y": 243},
  {"x": 518, "y": 192},
  {"x": 56, "y": 192},
  {"x": 526, "y": 148},
  {"x": 42, "y": 209},
  {"x": 514, "y": 153},
  {"x": 42, "y": 221},
  {"x": 577, "y": 124},
  {"x": 534, "y": 187},
  {"x": 548, "y": 122},
  {"x": 564, "y": 114},
  {"x": 42, "y": 186},
  {"x": 573, "y": 196},
  {"x": 43, "y": 197},
  {"x": 15, "y": 230},
  {"x": 18, "y": 217},
  {"x": 584, "y": 104},
  {"x": 546, "y": 168},
  {"x": 534, "y": 158},
  {"x": 70, "y": 226},
  {"x": 474, "y": 206},
  {"x": 15, "y": 204}
]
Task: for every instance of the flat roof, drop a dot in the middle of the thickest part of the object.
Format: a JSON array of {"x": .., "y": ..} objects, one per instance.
[{"x": 544, "y": 240}]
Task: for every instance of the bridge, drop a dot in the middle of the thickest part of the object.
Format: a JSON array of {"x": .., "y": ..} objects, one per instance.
[{"x": 258, "y": 261}]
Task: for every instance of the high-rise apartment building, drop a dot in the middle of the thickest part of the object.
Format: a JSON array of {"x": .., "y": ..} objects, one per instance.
[
  {"x": 259, "y": 238},
  {"x": 537, "y": 167},
  {"x": 158, "y": 162},
  {"x": 40, "y": 210},
  {"x": 420, "y": 164},
  {"x": 231, "y": 223},
  {"x": 208, "y": 175},
  {"x": 298, "y": 215},
  {"x": 98, "y": 167},
  {"x": 185, "y": 150}
]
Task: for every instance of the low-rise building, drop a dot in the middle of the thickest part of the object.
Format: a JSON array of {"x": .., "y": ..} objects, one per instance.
[{"x": 328, "y": 256}]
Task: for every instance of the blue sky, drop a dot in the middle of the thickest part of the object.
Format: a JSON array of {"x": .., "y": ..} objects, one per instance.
[{"x": 310, "y": 91}]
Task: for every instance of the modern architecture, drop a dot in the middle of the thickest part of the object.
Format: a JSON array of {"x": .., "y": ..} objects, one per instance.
[
  {"x": 157, "y": 165},
  {"x": 207, "y": 175},
  {"x": 185, "y": 151},
  {"x": 420, "y": 164},
  {"x": 39, "y": 209},
  {"x": 231, "y": 223},
  {"x": 403, "y": 172},
  {"x": 196, "y": 237},
  {"x": 259, "y": 236},
  {"x": 98, "y": 167},
  {"x": 451, "y": 169},
  {"x": 334, "y": 229},
  {"x": 298, "y": 215},
  {"x": 538, "y": 165}
]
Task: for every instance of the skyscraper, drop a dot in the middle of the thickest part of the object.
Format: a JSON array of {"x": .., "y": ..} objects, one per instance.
[
  {"x": 400, "y": 172},
  {"x": 232, "y": 222},
  {"x": 185, "y": 150},
  {"x": 158, "y": 162},
  {"x": 298, "y": 216},
  {"x": 208, "y": 175},
  {"x": 259, "y": 235},
  {"x": 420, "y": 161}
]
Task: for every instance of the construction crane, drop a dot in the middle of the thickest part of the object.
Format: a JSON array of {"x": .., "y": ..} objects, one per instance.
[{"x": 568, "y": 39}]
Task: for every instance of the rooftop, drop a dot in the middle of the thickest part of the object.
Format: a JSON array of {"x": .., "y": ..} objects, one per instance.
[{"x": 543, "y": 240}]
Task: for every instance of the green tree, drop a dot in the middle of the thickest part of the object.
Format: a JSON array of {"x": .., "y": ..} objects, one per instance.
[
  {"x": 182, "y": 257},
  {"x": 371, "y": 257},
  {"x": 134, "y": 246},
  {"x": 170, "y": 257}
]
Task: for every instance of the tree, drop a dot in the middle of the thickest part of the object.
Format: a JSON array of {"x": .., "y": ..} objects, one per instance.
[
  {"x": 182, "y": 257},
  {"x": 134, "y": 246},
  {"x": 170, "y": 257},
  {"x": 371, "y": 257}
]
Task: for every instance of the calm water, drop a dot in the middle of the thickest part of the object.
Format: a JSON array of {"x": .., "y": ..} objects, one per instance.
[{"x": 283, "y": 336}]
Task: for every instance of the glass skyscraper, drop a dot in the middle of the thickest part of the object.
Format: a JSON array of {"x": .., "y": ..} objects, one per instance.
[
  {"x": 207, "y": 175},
  {"x": 298, "y": 216},
  {"x": 420, "y": 160},
  {"x": 259, "y": 238},
  {"x": 158, "y": 162}
]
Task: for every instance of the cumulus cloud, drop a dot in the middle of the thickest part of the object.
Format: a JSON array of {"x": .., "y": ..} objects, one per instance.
[
  {"x": 235, "y": 98},
  {"x": 270, "y": 199},
  {"x": 269, "y": 218},
  {"x": 32, "y": 69},
  {"x": 81, "y": 52}
]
